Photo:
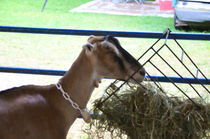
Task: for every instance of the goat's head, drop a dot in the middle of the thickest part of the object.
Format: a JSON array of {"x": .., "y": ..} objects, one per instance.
[{"x": 111, "y": 60}]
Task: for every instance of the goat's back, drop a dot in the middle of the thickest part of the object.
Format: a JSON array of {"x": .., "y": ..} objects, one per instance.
[{"x": 25, "y": 112}]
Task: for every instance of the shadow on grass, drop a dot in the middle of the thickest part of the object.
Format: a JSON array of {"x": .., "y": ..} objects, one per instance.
[{"x": 199, "y": 29}]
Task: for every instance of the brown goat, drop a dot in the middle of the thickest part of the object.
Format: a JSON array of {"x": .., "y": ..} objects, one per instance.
[{"x": 41, "y": 112}]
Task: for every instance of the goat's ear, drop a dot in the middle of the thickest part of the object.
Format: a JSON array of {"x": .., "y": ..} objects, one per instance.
[
  {"x": 88, "y": 48},
  {"x": 94, "y": 39},
  {"x": 90, "y": 39}
]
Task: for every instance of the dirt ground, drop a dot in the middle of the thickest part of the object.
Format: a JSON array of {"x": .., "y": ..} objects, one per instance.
[{"x": 132, "y": 8}]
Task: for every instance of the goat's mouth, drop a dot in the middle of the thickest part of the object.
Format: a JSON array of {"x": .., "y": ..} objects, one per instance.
[
  {"x": 136, "y": 81},
  {"x": 132, "y": 80}
]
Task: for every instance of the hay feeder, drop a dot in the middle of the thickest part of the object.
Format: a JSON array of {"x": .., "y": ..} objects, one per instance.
[{"x": 147, "y": 110}]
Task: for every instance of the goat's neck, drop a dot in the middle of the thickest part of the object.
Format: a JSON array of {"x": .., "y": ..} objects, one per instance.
[{"x": 79, "y": 82}]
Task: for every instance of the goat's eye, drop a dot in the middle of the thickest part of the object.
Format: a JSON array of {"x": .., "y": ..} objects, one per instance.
[{"x": 107, "y": 46}]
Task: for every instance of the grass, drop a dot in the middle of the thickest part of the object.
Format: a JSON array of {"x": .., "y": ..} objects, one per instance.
[
  {"x": 56, "y": 14},
  {"x": 59, "y": 51},
  {"x": 39, "y": 50}
]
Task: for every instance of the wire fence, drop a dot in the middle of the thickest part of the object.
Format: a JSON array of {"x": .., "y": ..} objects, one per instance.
[{"x": 149, "y": 60}]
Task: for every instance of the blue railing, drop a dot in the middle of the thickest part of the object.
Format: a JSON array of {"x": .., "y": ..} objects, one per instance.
[
  {"x": 152, "y": 35},
  {"x": 127, "y": 34},
  {"x": 62, "y": 72}
]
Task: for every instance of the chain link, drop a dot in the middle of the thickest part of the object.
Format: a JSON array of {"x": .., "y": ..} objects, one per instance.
[{"x": 67, "y": 97}]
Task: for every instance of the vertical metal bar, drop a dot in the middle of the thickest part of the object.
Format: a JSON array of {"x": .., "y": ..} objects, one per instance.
[
  {"x": 182, "y": 55},
  {"x": 44, "y": 5},
  {"x": 167, "y": 34},
  {"x": 197, "y": 71}
]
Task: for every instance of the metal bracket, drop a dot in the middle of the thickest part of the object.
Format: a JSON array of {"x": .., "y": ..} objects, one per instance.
[{"x": 167, "y": 33}]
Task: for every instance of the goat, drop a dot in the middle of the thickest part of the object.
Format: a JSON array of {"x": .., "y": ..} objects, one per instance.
[{"x": 41, "y": 112}]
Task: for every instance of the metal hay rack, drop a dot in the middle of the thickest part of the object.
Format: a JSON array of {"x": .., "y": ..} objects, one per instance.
[{"x": 186, "y": 66}]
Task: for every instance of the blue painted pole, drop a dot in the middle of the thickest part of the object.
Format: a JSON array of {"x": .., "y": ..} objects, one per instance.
[
  {"x": 128, "y": 34},
  {"x": 62, "y": 72},
  {"x": 180, "y": 80},
  {"x": 32, "y": 71}
]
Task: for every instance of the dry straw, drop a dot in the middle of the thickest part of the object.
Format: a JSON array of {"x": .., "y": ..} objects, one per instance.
[{"x": 145, "y": 112}]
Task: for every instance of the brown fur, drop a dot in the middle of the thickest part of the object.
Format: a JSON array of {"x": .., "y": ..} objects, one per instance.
[{"x": 41, "y": 112}]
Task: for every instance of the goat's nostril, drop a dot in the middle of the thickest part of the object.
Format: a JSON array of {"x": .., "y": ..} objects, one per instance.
[{"x": 142, "y": 72}]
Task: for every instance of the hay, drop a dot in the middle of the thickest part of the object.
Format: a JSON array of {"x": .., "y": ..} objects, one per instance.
[{"x": 148, "y": 113}]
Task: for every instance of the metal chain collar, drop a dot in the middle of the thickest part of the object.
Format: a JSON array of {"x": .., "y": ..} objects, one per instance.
[{"x": 67, "y": 97}]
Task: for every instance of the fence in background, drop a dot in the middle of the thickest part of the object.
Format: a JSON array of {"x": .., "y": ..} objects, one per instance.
[{"x": 149, "y": 35}]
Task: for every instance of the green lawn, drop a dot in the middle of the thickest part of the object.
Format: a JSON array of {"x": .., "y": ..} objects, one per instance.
[{"x": 56, "y": 14}]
